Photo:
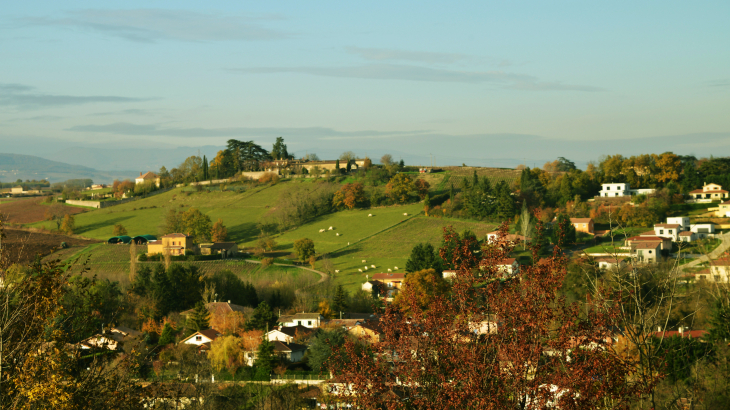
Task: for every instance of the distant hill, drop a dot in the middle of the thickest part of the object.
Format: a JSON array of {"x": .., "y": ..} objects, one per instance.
[{"x": 15, "y": 166}]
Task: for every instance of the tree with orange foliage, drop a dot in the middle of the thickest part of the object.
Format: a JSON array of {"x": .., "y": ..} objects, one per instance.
[
  {"x": 422, "y": 187},
  {"x": 218, "y": 232},
  {"x": 538, "y": 351},
  {"x": 423, "y": 286},
  {"x": 351, "y": 195},
  {"x": 227, "y": 323},
  {"x": 669, "y": 166}
]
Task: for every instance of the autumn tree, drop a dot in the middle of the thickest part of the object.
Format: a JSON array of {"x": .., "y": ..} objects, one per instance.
[
  {"x": 513, "y": 343},
  {"x": 68, "y": 224},
  {"x": 218, "y": 233},
  {"x": 55, "y": 213},
  {"x": 325, "y": 310},
  {"x": 351, "y": 195},
  {"x": 304, "y": 248},
  {"x": 423, "y": 286},
  {"x": 421, "y": 187},
  {"x": 119, "y": 230},
  {"x": 399, "y": 188},
  {"x": 669, "y": 166},
  {"x": 227, "y": 352},
  {"x": 386, "y": 160}
]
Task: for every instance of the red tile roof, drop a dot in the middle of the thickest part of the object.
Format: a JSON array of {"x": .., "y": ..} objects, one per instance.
[
  {"x": 580, "y": 220},
  {"x": 176, "y": 235},
  {"x": 686, "y": 233},
  {"x": 700, "y": 191},
  {"x": 668, "y": 226},
  {"x": 648, "y": 239},
  {"x": 148, "y": 175},
  {"x": 647, "y": 245},
  {"x": 389, "y": 276},
  {"x": 722, "y": 261},
  {"x": 694, "y": 334}
]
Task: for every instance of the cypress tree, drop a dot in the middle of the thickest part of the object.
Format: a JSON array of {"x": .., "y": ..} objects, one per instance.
[
  {"x": 265, "y": 360},
  {"x": 337, "y": 166},
  {"x": 339, "y": 304},
  {"x": 167, "y": 336},
  {"x": 349, "y": 166}
]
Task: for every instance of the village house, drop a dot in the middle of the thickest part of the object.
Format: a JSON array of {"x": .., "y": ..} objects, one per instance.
[
  {"x": 202, "y": 339},
  {"x": 148, "y": 177},
  {"x": 720, "y": 270},
  {"x": 367, "y": 331},
  {"x": 620, "y": 189},
  {"x": 687, "y": 236},
  {"x": 703, "y": 230},
  {"x": 723, "y": 210},
  {"x": 309, "y": 320},
  {"x": 174, "y": 243},
  {"x": 583, "y": 225},
  {"x": 390, "y": 280},
  {"x": 610, "y": 263},
  {"x": 667, "y": 231},
  {"x": 288, "y": 334},
  {"x": 510, "y": 237},
  {"x": 113, "y": 339},
  {"x": 709, "y": 192},
  {"x": 509, "y": 266},
  {"x": 682, "y": 221},
  {"x": 646, "y": 252},
  {"x": 292, "y": 352}
]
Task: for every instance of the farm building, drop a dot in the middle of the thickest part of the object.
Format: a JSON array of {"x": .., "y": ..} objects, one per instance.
[
  {"x": 582, "y": 224},
  {"x": 223, "y": 248},
  {"x": 148, "y": 177},
  {"x": 142, "y": 239},
  {"x": 120, "y": 239},
  {"x": 174, "y": 243},
  {"x": 310, "y": 320}
]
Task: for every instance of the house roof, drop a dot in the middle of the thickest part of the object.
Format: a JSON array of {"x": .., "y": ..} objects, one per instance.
[
  {"x": 647, "y": 245},
  {"x": 648, "y": 239},
  {"x": 506, "y": 261},
  {"x": 299, "y": 316},
  {"x": 668, "y": 226},
  {"x": 223, "y": 245},
  {"x": 389, "y": 276},
  {"x": 686, "y": 233},
  {"x": 176, "y": 235},
  {"x": 694, "y": 334},
  {"x": 293, "y": 330},
  {"x": 648, "y": 233},
  {"x": 581, "y": 220},
  {"x": 211, "y": 334},
  {"x": 282, "y": 347},
  {"x": 722, "y": 261},
  {"x": 148, "y": 175}
]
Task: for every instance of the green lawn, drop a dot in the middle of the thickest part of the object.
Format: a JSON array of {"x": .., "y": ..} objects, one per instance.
[{"x": 392, "y": 247}]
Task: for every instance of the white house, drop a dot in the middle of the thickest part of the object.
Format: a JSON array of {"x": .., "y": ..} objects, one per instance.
[
  {"x": 508, "y": 267},
  {"x": 618, "y": 189},
  {"x": 668, "y": 231},
  {"x": 687, "y": 236},
  {"x": 309, "y": 320},
  {"x": 720, "y": 270},
  {"x": 703, "y": 230},
  {"x": 682, "y": 221},
  {"x": 709, "y": 192},
  {"x": 288, "y": 334},
  {"x": 203, "y": 338},
  {"x": 292, "y": 352},
  {"x": 610, "y": 263},
  {"x": 147, "y": 177},
  {"x": 447, "y": 274}
]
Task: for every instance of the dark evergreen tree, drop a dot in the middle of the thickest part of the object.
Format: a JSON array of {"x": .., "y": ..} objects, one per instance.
[
  {"x": 205, "y": 168},
  {"x": 279, "y": 151},
  {"x": 167, "y": 336},
  {"x": 337, "y": 165},
  {"x": 265, "y": 360},
  {"x": 339, "y": 303},
  {"x": 276, "y": 300},
  {"x": 262, "y": 319},
  {"x": 199, "y": 319},
  {"x": 424, "y": 256},
  {"x": 564, "y": 232},
  {"x": 505, "y": 202},
  {"x": 720, "y": 318},
  {"x": 349, "y": 166}
]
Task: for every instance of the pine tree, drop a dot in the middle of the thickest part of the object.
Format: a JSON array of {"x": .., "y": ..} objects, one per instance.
[
  {"x": 474, "y": 179},
  {"x": 337, "y": 166},
  {"x": 423, "y": 256},
  {"x": 339, "y": 304},
  {"x": 505, "y": 203},
  {"x": 265, "y": 360},
  {"x": 200, "y": 318},
  {"x": 205, "y": 168},
  {"x": 262, "y": 319},
  {"x": 167, "y": 336},
  {"x": 349, "y": 166}
]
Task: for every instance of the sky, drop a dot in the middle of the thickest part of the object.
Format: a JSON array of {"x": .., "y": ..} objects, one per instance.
[{"x": 489, "y": 83}]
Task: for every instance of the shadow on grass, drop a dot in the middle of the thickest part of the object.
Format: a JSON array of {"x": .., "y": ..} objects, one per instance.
[
  {"x": 244, "y": 232},
  {"x": 102, "y": 224},
  {"x": 344, "y": 252}
]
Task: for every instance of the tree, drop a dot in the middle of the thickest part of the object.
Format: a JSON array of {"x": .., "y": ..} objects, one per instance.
[
  {"x": 424, "y": 256},
  {"x": 199, "y": 319},
  {"x": 262, "y": 319},
  {"x": 399, "y": 188},
  {"x": 421, "y": 287},
  {"x": 426, "y": 204},
  {"x": 367, "y": 163},
  {"x": 304, "y": 248},
  {"x": 669, "y": 166},
  {"x": 720, "y": 316},
  {"x": 119, "y": 230},
  {"x": 173, "y": 222},
  {"x": 246, "y": 155},
  {"x": 347, "y": 157},
  {"x": 351, "y": 195},
  {"x": 197, "y": 225},
  {"x": 218, "y": 233},
  {"x": 168, "y": 335},
  {"x": 386, "y": 160},
  {"x": 514, "y": 343},
  {"x": 322, "y": 346},
  {"x": 279, "y": 151},
  {"x": 227, "y": 352},
  {"x": 505, "y": 203},
  {"x": 55, "y": 213},
  {"x": 325, "y": 310},
  {"x": 68, "y": 225},
  {"x": 564, "y": 234},
  {"x": 339, "y": 303},
  {"x": 265, "y": 359},
  {"x": 525, "y": 223},
  {"x": 421, "y": 187}
]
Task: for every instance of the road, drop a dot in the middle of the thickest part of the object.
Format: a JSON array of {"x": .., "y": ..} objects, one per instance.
[{"x": 724, "y": 246}]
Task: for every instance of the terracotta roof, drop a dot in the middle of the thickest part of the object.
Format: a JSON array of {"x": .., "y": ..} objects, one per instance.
[
  {"x": 686, "y": 233},
  {"x": 293, "y": 330},
  {"x": 668, "y": 226},
  {"x": 148, "y": 175},
  {"x": 299, "y": 316},
  {"x": 648, "y": 239},
  {"x": 722, "y": 261},
  {"x": 647, "y": 245},
  {"x": 581, "y": 220},
  {"x": 648, "y": 233},
  {"x": 176, "y": 235},
  {"x": 506, "y": 261},
  {"x": 389, "y": 276}
]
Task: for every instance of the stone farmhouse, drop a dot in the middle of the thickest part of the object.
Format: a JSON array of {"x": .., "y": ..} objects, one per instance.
[
  {"x": 175, "y": 243},
  {"x": 149, "y": 176}
]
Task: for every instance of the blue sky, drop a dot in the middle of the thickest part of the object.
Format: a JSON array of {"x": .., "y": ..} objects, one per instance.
[{"x": 486, "y": 83}]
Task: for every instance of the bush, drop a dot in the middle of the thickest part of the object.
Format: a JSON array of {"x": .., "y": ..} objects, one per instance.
[
  {"x": 266, "y": 262},
  {"x": 142, "y": 257},
  {"x": 269, "y": 177}
]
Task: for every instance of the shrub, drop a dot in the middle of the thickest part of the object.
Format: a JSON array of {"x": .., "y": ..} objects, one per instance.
[
  {"x": 266, "y": 262},
  {"x": 269, "y": 177}
]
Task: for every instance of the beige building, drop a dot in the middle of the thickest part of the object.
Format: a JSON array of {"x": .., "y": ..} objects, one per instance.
[
  {"x": 175, "y": 243},
  {"x": 709, "y": 191},
  {"x": 583, "y": 225},
  {"x": 226, "y": 249},
  {"x": 646, "y": 252},
  {"x": 723, "y": 210},
  {"x": 148, "y": 177}
]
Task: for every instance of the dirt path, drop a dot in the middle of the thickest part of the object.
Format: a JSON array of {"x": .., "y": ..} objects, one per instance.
[{"x": 323, "y": 276}]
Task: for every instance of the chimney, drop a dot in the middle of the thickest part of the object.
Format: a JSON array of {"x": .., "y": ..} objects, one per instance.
[
  {"x": 659, "y": 329},
  {"x": 140, "y": 173},
  {"x": 681, "y": 330},
  {"x": 229, "y": 302}
]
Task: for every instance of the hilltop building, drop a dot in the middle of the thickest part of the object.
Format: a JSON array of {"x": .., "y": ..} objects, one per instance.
[
  {"x": 148, "y": 177},
  {"x": 620, "y": 189}
]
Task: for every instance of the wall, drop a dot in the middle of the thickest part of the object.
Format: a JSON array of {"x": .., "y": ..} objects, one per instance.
[{"x": 107, "y": 204}]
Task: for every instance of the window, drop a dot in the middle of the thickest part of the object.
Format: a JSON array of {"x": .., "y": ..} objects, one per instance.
[
  {"x": 198, "y": 338},
  {"x": 669, "y": 231},
  {"x": 649, "y": 251},
  {"x": 299, "y": 322},
  {"x": 309, "y": 323},
  {"x": 661, "y": 231}
]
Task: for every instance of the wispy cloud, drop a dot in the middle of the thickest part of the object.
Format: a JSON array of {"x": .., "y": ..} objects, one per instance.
[
  {"x": 723, "y": 82},
  {"x": 132, "y": 111},
  {"x": 152, "y": 25},
  {"x": 23, "y": 96},
  {"x": 386, "y": 54},
  {"x": 417, "y": 73},
  {"x": 126, "y": 128}
]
